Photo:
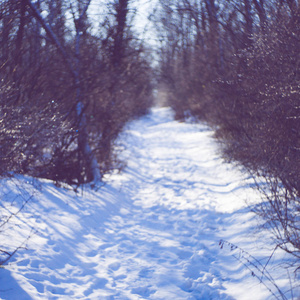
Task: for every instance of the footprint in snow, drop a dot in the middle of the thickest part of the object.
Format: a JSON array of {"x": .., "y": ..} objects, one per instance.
[
  {"x": 143, "y": 291},
  {"x": 115, "y": 266}
]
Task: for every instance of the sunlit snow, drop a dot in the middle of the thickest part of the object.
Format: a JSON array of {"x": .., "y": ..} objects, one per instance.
[{"x": 151, "y": 232}]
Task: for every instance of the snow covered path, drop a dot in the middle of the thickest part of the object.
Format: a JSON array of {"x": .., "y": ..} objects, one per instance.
[
  {"x": 184, "y": 198},
  {"x": 152, "y": 232}
]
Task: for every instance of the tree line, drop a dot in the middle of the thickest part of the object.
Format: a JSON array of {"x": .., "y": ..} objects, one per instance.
[
  {"x": 68, "y": 85},
  {"x": 236, "y": 65}
]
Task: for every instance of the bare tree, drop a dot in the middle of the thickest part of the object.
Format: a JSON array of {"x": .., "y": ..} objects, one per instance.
[
  {"x": 244, "y": 81},
  {"x": 89, "y": 79}
]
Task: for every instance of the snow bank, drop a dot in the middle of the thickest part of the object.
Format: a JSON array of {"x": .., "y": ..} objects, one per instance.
[{"x": 151, "y": 232}]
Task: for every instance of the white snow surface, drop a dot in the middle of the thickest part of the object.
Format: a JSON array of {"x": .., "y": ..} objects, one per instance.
[{"x": 151, "y": 232}]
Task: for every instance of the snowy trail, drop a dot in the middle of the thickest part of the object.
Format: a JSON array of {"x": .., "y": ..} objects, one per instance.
[
  {"x": 182, "y": 192},
  {"x": 151, "y": 232}
]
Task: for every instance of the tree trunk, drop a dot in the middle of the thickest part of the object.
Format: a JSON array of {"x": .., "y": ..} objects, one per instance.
[
  {"x": 121, "y": 16},
  {"x": 83, "y": 135}
]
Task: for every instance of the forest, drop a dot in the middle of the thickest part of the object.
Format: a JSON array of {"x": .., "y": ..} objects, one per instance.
[
  {"x": 68, "y": 88},
  {"x": 71, "y": 81},
  {"x": 236, "y": 66}
]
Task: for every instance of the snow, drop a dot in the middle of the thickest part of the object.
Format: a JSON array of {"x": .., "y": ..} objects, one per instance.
[{"x": 151, "y": 232}]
